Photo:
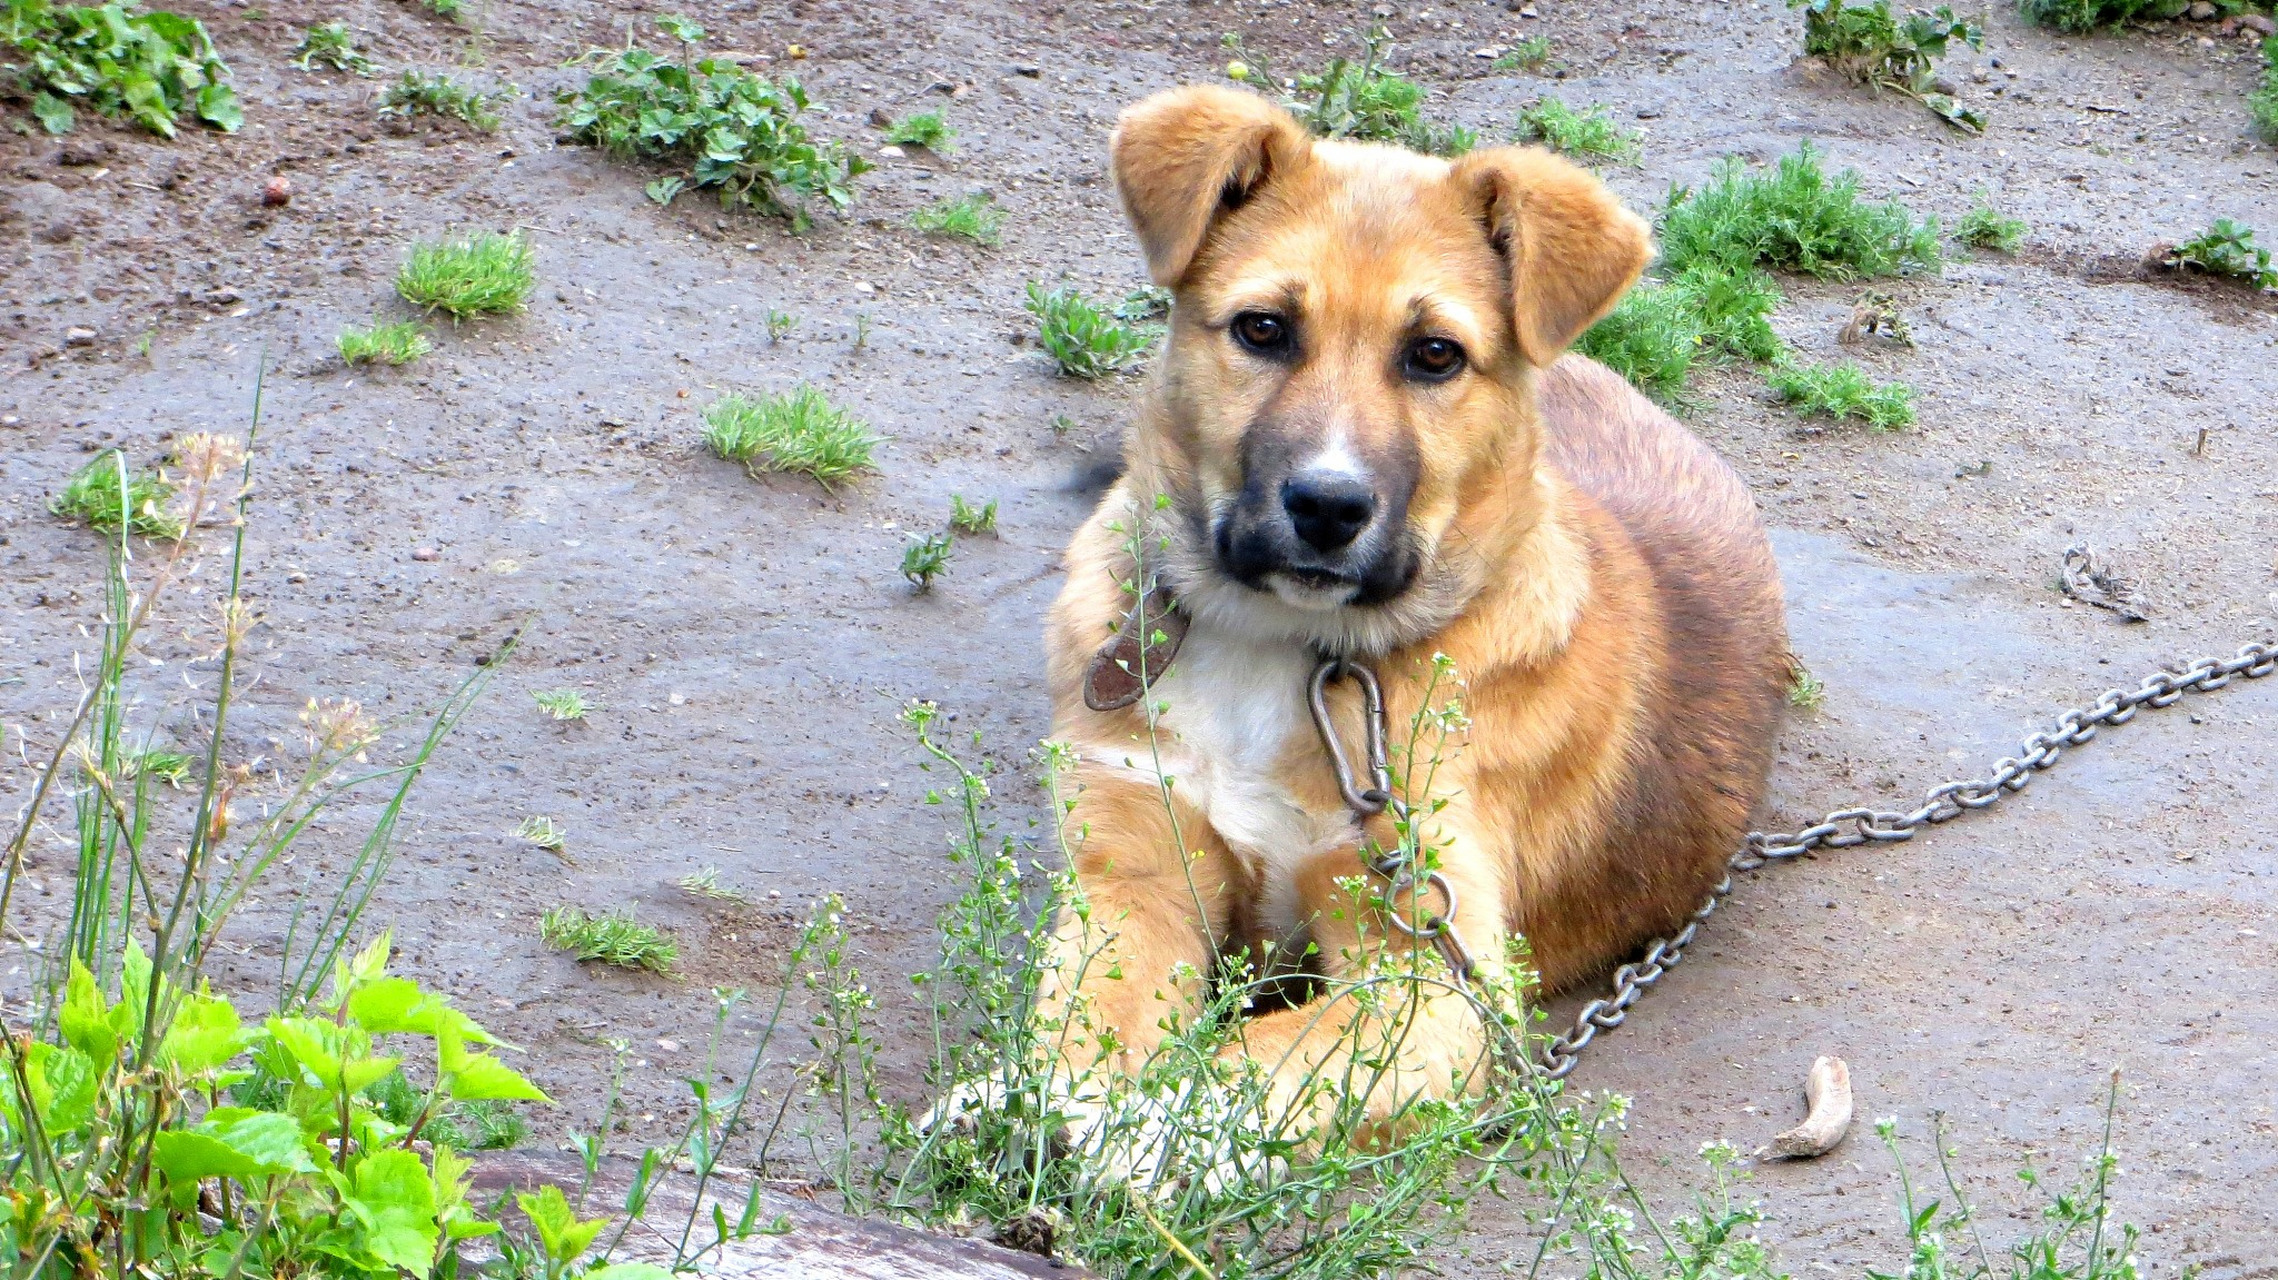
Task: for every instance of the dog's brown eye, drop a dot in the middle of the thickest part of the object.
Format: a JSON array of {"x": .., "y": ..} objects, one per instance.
[
  {"x": 1262, "y": 332},
  {"x": 1434, "y": 359}
]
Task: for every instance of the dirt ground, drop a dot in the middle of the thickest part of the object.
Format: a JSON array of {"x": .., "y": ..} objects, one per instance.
[{"x": 747, "y": 643}]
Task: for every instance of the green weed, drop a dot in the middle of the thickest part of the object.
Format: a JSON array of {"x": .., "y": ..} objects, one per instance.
[
  {"x": 2262, "y": 104},
  {"x": 1863, "y": 40},
  {"x": 1842, "y": 391},
  {"x": 1806, "y": 692},
  {"x": 1793, "y": 217},
  {"x": 399, "y": 343},
  {"x": 968, "y": 519},
  {"x": 1987, "y": 227},
  {"x": 106, "y": 492},
  {"x": 928, "y": 129},
  {"x": 118, "y": 1057},
  {"x": 1361, "y": 100},
  {"x": 1585, "y": 135},
  {"x": 924, "y": 558},
  {"x": 485, "y": 274},
  {"x": 2227, "y": 249},
  {"x": 453, "y": 9},
  {"x": 975, "y": 217},
  {"x": 664, "y": 190},
  {"x": 615, "y": 939},
  {"x": 540, "y": 830},
  {"x": 1147, "y": 302},
  {"x": 2079, "y": 1238},
  {"x": 704, "y": 882},
  {"x": 169, "y": 767},
  {"x": 780, "y": 324},
  {"x": 418, "y": 93},
  {"x": 1530, "y": 54},
  {"x": 731, "y": 132},
  {"x": 1086, "y": 340},
  {"x": 1658, "y": 331},
  {"x": 153, "y": 67},
  {"x": 798, "y": 430},
  {"x": 462, "y": 1126},
  {"x": 561, "y": 704},
  {"x": 2087, "y": 15},
  {"x": 333, "y": 45}
]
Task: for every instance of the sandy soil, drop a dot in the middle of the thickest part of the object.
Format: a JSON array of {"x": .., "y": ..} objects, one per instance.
[{"x": 748, "y": 642}]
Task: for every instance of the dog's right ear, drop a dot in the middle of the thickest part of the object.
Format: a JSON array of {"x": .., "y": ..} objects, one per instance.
[{"x": 1185, "y": 157}]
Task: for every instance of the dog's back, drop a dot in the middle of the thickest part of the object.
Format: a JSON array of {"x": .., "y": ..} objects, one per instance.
[{"x": 1715, "y": 704}]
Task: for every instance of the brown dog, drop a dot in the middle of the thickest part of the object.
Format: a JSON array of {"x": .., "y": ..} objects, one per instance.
[{"x": 1361, "y": 441}]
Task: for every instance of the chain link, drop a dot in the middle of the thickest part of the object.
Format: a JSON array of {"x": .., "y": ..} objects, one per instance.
[{"x": 1846, "y": 827}]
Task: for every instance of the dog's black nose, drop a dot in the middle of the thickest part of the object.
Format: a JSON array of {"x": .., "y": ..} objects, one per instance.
[{"x": 1327, "y": 510}]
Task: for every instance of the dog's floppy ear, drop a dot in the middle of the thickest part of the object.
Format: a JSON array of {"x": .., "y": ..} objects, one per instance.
[
  {"x": 1184, "y": 157},
  {"x": 1571, "y": 247}
]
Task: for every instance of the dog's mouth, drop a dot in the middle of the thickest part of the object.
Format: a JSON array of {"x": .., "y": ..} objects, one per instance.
[{"x": 1312, "y": 588}]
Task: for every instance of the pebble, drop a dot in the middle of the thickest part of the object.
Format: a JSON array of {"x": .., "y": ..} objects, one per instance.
[
  {"x": 223, "y": 296},
  {"x": 278, "y": 191},
  {"x": 2201, "y": 11},
  {"x": 79, "y": 335},
  {"x": 426, "y": 553}
]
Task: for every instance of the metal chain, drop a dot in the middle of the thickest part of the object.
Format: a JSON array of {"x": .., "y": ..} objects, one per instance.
[
  {"x": 1846, "y": 827},
  {"x": 1398, "y": 864}
]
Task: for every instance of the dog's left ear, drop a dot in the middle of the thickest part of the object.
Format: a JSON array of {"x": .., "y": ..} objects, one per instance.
[{"x": 1571, "y": 247}]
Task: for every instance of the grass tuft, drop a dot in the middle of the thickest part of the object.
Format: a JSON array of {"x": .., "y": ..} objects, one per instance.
[
  {"x": 416, "y": 93},
  {"x": 615, "y": 939},
  {"x": 540, "y": 830},
  {"x": 798, "y": 430},
  {"x": 975, "y": 217},
  {"x": 169, "y": 767},
  {"x": 780, "y": 324},
  {"x": 728, "y": 130},
  {"x": 1794, "y": 217},
  {"x": 1987, "y": 227},
  {"x": 1842, "y": 391},
  {"x": 1086, "y": 340},
  {"x": 925, "y": 558},
  {"x": 394, "y": 344},
  {"x": 1361, "y": 100},
  {"x": 562, "y": 704},
  {"x": 333, "y": 45},
  {"x": 928, "y": 129},
  {"x": 1659, "y": 330},
  {"x": 2227, "y": 249},
  {"x": 486, "y": 274},
  {"x": 1530, "y": 54},
  {"x": 93, "y": 497},
  {"x": 1806, "y": 692},
  {"x": 1585, "y": 135},
  {"x": 2262, "y": 104},
  {"x": 704, "y": 882},
  {"x": 970, "y": 520}
]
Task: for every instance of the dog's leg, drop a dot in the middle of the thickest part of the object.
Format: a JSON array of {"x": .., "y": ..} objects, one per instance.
[
  {"x": 1393, "y": 1024},
  {"x": 1130, "y": 960}
]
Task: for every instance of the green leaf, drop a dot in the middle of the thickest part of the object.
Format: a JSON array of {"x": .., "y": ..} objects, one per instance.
[
  {"x": 54, "y": 113},
  {"x": 479, "y": 1077},
  {"x": 313, "y": 1047},
  {"x": 205, "y": 1034},
  {"x": 386, "y": 1005},
  {"x": 394, "y": 1199},
  {"x": 233, "y": 1143},
  {"x": 84, "y": 1018},
  {"x": 63, "y": 1086},
  {"x": 217, "y": 106},
  {"x": 563, "y": 1236}
]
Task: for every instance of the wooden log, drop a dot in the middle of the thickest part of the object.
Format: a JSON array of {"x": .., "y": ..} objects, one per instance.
[{"x": 804, "y": 1242}]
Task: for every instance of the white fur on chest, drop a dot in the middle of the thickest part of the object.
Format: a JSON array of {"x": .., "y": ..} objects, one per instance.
[{"x": 1235, "y": 710}]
